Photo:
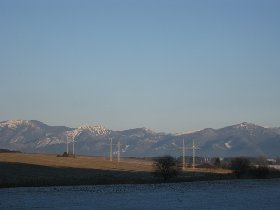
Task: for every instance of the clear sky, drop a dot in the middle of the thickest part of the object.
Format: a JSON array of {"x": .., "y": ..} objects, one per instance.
[{"x": 169, "y": 65}]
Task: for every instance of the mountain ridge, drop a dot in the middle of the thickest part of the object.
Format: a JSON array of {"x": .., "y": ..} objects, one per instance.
[{"x": 244, "y": 139}]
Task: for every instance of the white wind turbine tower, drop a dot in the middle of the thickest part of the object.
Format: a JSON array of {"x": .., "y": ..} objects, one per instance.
[
  {"x": 193, "y": 149},
  {"x": 73, "y": 146},
  {"x": 118, "y": 150},
  {"x": 111, "y": 149},
  {"x": 74, "y": 135},
  {"x": 184, "y": 153},
  {"x": 67, "y": 150},
  {"x": 184, "y": 148},
  {"x": 184, "y": 161}
]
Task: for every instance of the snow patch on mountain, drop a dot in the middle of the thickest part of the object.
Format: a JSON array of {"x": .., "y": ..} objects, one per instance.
[
  {"x": 14, "y": 124},
  {"x": 186, "y": 133},
  {"x": 71, "y": 135},
  {"x": 246, "y": 126},
  {"x": 227, "y": 144},
  {"x": 95, "y": 130},
  {"x": 49, "y": 141}
]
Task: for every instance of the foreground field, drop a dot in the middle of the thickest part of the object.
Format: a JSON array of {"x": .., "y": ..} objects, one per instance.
[
  {"x": 19, "y": 169},
  {"x": 229, "y": 194},
  {"x": 87, "y": 162},
  {"x": 81, "y": 162}
]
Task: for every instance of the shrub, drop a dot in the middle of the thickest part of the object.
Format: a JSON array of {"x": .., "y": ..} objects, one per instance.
[
  {"x": 65, "y": 154},
  {"x": 261, "y": 172},
  {"x": 240, "y": 166}
]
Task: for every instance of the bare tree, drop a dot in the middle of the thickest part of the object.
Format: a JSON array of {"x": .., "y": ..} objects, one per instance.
[{"x": 166, "y": 167}]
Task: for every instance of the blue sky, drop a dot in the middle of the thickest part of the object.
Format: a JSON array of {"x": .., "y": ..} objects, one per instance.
[{"x": 171, "y": 66}]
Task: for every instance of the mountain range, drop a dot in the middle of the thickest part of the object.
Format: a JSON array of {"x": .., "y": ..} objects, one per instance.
[{"x": 244, "y": 139}]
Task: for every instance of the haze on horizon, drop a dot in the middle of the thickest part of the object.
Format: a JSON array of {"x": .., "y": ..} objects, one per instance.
[{"x": 171, "y": 66}]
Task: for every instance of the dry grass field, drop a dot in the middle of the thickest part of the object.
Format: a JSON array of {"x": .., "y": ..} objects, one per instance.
[
  {"x": 209, "y": 170},
  {"x": 81, "y": 162},
  {"x": 88, "y": 162},
  {"x": 20, "y": 169}
]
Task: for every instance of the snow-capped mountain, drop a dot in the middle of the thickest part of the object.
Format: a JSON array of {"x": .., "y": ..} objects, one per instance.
[
  {"x": 27, "y": 135},
  {"x": 86, "y": 131},
  {"x": 244, "y": 139}
]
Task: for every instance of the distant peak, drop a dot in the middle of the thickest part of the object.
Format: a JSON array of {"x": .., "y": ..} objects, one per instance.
[
  {"x": 17, "y": 121},
  {"x": 13, "y": 124},
  {"x": 96, "y": 129},
  {"x": 147, "y": 130},
  {"x": 246, "y": 125},
  {"x": 243, "y": 124},
  {"x": 144, "y": 129},
  {"x": 86, "y": 126}
]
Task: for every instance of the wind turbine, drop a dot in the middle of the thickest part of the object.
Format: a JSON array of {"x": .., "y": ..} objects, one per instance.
[
  {"x": 118, "y": 151},
  {"x": 184, "y": 153},
  {"x": 75, "y": 134},
  {"x": 73, "y": 146},
  {"x": 193, "y": 149},
  {"x": 67, "y": 150},
  {"x": 111, "y": 149}
]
